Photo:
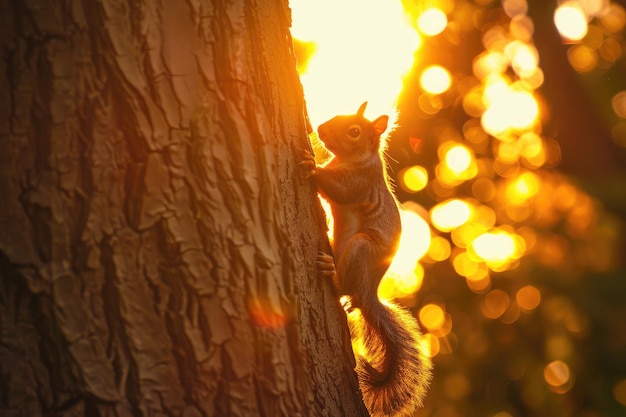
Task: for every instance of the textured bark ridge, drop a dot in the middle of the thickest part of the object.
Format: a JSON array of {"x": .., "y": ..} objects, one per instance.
[{"x": 156, "y": 236}]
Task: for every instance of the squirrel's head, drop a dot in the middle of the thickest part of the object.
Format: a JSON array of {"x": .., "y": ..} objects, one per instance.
[{"x": 353, "y": 136}]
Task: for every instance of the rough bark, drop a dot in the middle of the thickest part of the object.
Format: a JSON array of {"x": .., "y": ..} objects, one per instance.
[{"x": 156, "y": 237}]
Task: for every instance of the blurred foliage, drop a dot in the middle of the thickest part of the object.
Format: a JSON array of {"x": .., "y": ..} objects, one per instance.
[{"x": 543, "y": 333}]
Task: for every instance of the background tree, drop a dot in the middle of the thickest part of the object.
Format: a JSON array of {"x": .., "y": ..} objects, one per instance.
[{"x": 156, "y": 237}]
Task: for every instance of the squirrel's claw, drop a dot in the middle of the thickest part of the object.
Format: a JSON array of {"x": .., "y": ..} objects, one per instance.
[
  {"x": 326, "y": 269},
  {"x": 325, "y": 265},
  {"x": 308, "y": 163}
]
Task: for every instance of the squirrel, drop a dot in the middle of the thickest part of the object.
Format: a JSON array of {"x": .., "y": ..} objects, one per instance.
[{"x": 394, "y": 371}]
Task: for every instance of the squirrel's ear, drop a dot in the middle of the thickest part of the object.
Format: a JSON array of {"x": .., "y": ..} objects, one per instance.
[
  {"x": 361, "y": 109},
  {"x": 380, "y": 124}
]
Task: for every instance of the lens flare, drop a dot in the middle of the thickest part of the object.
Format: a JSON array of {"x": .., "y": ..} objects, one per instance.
[{"x": 265, "y": 314}]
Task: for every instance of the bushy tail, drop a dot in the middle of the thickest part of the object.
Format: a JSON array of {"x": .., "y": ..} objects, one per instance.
[{"x": 392, "y": 363}]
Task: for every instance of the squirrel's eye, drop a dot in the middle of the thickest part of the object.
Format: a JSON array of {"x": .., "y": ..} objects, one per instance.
[{"x": 354, "y": 132}]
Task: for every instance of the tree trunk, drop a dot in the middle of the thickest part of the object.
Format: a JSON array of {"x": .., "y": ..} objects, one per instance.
[{"x": 156, "y": 236}]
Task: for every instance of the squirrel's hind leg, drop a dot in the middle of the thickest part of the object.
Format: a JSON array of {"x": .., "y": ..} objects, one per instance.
[
  {"x": 326, "y": 268},
  {"x": 356, "y": 274}
]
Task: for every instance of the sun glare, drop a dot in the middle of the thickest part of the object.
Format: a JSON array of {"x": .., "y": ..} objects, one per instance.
[{"x": 357, "y": 58}]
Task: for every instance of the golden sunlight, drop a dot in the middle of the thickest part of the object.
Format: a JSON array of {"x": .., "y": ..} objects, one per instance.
[
  {"x": 414, "y": 242},
  {"x": 353, "y": 63},
  {"x": 405, "y": 275}
]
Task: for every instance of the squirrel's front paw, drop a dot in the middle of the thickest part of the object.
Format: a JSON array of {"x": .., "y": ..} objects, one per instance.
[
  {"x": 326, "y": 268},
  {"x": 308, "y": 163},
  {"x": 325, "y": 265}
]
